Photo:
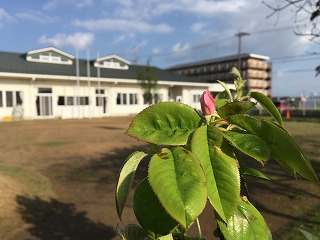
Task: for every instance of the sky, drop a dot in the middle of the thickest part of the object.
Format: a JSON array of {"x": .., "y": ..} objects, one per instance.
[{"x": 167, "y": 33}]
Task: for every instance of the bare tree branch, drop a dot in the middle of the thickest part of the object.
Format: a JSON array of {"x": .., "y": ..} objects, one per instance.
[{"x": 305, "y": 14}]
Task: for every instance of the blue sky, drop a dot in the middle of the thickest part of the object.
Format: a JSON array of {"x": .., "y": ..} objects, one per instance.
[{"x": 168, "y": 32}]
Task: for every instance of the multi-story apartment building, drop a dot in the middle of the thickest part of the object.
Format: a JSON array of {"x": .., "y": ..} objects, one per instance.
[{"x": 254, "y": 68}]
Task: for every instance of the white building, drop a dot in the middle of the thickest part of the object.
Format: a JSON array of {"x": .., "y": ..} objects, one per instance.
[{"x": 49, "y": 83}]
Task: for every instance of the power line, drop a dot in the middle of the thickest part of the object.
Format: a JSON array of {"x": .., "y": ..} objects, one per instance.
[{"x": 202, "y": 45}]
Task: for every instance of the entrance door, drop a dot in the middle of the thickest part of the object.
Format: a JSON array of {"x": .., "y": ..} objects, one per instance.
[
  {"x": 101, "y": 101},
  {"x": 44, "y": 102}
]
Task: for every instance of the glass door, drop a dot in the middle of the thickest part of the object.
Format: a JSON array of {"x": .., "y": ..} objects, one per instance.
[{"x": 44, "y": 102}]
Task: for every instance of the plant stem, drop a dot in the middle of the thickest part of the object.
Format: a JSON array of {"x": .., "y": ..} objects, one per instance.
[
  {"x": 199, "y": 228},
  {"x": 246, "y": 187}
]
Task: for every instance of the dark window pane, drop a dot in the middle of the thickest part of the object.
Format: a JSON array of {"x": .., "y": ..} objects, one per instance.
[
  {"x": 9, "y": 99},
  {"x": 70, "y": 101},
  {"x": 18, "y": 98},
  {"x": 44, "y": 90},
  {"x": 118, "y": 99},
  {"x": 61, "y": 101},
  {"x": 124, "y": 99}
]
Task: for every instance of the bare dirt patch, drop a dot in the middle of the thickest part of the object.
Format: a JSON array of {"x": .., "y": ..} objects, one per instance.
[{"x": 75, "y": 164}]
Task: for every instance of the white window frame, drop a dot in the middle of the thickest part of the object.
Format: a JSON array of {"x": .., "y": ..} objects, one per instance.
[
  {"x": 14, "y": 98},
  {"x": 125, "y": 99}
]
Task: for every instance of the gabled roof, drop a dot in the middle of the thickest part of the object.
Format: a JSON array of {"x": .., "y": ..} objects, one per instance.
[
  {"x": 112, "y": 56},
  {"x": 112, "y": 61},
  {"x": 48, "y": 49},
  {"x": 15, "y": 63}
]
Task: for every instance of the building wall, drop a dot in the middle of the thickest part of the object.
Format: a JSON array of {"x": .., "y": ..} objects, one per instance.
[
  {"x": 44, "y": 98},
  {"x": 254, "y": 69}
]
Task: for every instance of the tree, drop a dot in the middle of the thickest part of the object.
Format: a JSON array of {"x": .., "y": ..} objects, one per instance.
[
  {"x": 305, "y": 12},
  {"x": 147, "y": 81},
  {"x": 306, "y": 16}
]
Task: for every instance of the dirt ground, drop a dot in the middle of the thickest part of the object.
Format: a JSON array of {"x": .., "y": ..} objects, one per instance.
[{"x": 57, "y": 180}]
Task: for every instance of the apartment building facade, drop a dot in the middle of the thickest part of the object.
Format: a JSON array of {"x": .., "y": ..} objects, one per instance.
[{"x": 254, "y": 68}]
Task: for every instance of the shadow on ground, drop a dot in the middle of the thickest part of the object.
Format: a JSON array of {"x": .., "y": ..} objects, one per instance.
[
  {"x": 101, "y": 171},
  {"x": 55, "y": 220}
]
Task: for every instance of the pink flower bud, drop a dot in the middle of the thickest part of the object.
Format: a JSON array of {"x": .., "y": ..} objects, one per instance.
[{"x": 208, "y": 104}]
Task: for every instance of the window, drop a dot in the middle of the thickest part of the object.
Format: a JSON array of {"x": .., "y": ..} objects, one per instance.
[
  {"x": 71, "y": 101},
  {"x": 156, "y": 98},
  {"x": 133, "y": 98},
  {"x": 44, "y": 90},
  {"x": 127, "y": 98},
  {"x": 84, "y": 101},
  {"x": 100, "y": 91},
  {"x": 61, "y": 101},
  {"x": 50, "y": 58},
  {"x": 196, "y": 98},
  {"x": 11, "y": 98}
]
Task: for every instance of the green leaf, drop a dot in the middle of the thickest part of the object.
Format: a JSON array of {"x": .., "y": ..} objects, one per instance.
[
  {"x": 249, "y": 144},
  {"x": 167, "y": 237},
  {"x": 268, "y": 105},
  {"x": 235, "y": 72},
  {"x": 220, "y": 103},
  {"x": 253, "y": 172},
  {"x": 308, "y": 235},
  {"x": 178, "y": 180},
  {"x": 149, "y": 212},
  {"x": 235, "y": 108},
  {"x": 283, "y": 147},
  {"x": 226, "y": 88},
  {"x": 246, "y": 223},
  {"x": 125, "y": 179},
  {"x": 221, "y": 171},
  {"x": 134, "y": 232},
  {"x": 167, "y": 123}
]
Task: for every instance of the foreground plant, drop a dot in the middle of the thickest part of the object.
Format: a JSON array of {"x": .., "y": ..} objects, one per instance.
[{"x": 195, "y": 157}]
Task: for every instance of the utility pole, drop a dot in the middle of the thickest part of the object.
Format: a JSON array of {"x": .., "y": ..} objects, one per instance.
[{"x": 240, "y": 35}]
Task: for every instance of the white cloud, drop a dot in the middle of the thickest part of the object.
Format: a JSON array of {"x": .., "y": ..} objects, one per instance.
[
  {"x": 199, "y": 8},
  {"x": 53, "y": 4},
  {"x": 123, "y": 25},
  {"x": 77, "y": 40},
  {"x": 35, "y": 16},
  {"x": 180, "y": 50},
  {"x": 4, "y": 16},
  {"x": 155, "y": 50},
  {"x": 197, "y": 27}
]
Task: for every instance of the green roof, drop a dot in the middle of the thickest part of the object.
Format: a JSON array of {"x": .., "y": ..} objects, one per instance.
[{"x": 16, "y": 63}]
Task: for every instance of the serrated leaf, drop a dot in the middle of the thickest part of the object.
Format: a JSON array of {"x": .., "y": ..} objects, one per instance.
[
  {"x": 134, "y": 232},
  {"x": 178, "y": 180},
  {"x": 220, "y": 103},
  {"x": 235, "y": 107},
  {"x": 249, "y": 144},
  {"x": 125, "y": 179},
  {"x": 253, "y": 172},
  {"x": 283, "y": 147},
  {"x": 166, "y": 123},
  {"x": 268, "y": 105},
  {"x": 149, "y": 212},
  {"x": 246, "y": 223},
  {"x": 221, "y": 171}
]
